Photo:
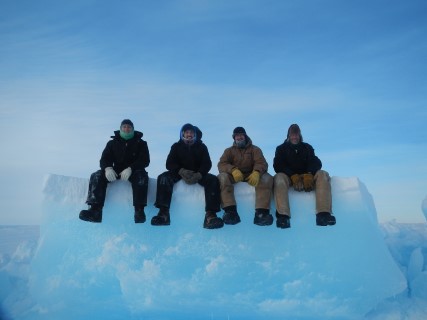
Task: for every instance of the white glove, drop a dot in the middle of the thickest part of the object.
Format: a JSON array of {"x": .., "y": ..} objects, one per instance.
[
  {"x": 110, "y": 174},
  {"x": 125, "y": 174}
]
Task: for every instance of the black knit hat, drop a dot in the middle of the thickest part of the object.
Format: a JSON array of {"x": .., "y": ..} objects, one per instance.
[
  {"x": 239, "y": 130},
  {"x": 127, "y": 121}
]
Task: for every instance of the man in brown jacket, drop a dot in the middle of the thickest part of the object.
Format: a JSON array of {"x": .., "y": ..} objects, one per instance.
[{"x": 244, "y": 161}]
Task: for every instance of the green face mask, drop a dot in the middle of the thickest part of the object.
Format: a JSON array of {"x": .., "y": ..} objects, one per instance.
[{"x": 127, "y": 136}]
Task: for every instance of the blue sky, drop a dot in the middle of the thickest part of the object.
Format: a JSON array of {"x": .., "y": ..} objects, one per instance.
[{"x": 351, "y": 73}]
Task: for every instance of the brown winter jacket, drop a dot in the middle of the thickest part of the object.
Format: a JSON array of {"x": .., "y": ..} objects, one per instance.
[{"x": 245, "y": 159}]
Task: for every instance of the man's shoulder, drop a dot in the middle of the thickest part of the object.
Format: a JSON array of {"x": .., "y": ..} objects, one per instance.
[
  {"x": 306, "y": 145},
  {"x": 283, "y": 145}
]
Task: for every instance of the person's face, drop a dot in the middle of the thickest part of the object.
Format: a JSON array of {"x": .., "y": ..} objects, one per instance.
[
  {"x": 126, "y": 128},
  {"x": 294, "y": 138},
  {"x": 238, "y": 137},
  {"x": 188, "y": 134}
]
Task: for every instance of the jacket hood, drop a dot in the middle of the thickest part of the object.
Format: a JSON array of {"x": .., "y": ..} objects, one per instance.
[
  {"x": 294, "y": 128},
  {"x": 196, "y": 130}
]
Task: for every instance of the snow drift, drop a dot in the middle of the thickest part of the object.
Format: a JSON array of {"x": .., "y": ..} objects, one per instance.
[{"x": 118, "y": 269}]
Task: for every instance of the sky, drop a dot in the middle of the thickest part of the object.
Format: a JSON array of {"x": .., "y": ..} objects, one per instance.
[
  {"x": 352, "y": 74},
  {"x": 352, "y": 270}
]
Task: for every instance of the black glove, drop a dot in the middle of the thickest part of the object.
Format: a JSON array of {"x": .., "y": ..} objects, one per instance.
[
  {"x": 189, "y": 176},
  {"x": 195, "y": 178}
]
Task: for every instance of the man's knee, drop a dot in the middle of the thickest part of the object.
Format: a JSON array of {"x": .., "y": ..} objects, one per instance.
[
  {"x": 281, "y": 180},
  {"x": 140, "y": 177},
  {"x": 98, "y": 177},
  {"x": 322, "y": 176},
  {"x": 224, "y": 179},
  {"x": 266, "y": 180}
]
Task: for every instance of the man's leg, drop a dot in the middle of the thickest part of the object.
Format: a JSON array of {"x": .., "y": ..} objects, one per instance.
[
  {"x": 322, "y": 183},
  {"x": 281, "y": 197},
  {"x": 139, "y": 181},
  {"x": 95, "y": 197},
  {"x": 212, "y": 201},
  {"x": 165, "y": 183}
]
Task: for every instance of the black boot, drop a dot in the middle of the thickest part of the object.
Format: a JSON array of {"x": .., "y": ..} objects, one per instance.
[
  {"x": 162, "y": 218},
  {"x": 325, "y": 219},
  {"x": 263, "y": 217},
  {"x": 139, "y": 215},
  {"x": 93, "y": 214},
  {"x": 230, "y": 215},
  {"x": 212, "y": 221},
  {"x": 283, "y": 221}
]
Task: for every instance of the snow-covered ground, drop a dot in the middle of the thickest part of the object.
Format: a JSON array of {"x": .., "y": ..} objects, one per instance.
[{"x": 70, "y": 269}]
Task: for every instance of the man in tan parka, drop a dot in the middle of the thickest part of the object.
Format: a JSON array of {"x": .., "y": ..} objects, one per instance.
[{"x": 244, "y": 161}]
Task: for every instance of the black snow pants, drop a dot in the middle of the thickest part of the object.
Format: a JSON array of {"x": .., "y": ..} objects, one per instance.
[
  {"x": 98, "y": 188},
  {"x": 166, "y": 181}
]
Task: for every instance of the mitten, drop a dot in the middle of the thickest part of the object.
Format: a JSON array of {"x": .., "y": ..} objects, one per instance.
[
  {"x": 308, "y": 182},
  {"x": 297, "y": 182},
  {"x": 195, "y": 178},
  {"x": 125, "y": 174},
  {"x": 185, "y": 174},
  {"x": 237, "y": 175},
  {"x": 110, "y": 174},
  {"x": 253, "y": 178}
]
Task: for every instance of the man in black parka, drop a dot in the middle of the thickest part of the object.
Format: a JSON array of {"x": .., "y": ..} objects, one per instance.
[
  {"x": 189, "y": 160},
  {"x": 125, "y": 156},
  {"x": 297, "y": 165}
]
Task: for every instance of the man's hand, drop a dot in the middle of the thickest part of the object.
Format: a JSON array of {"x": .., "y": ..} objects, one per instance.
[
  {"x": 110, "y": 174},
  {"x": 125, "y": 174},
  {"x": 237, "y": 175},
  {"x": 297, "y": 182},
  {"x": 253, "y": 178},
  {"x": 190, "y": 176},
  {"x": 195, "y": 178},
  {"x": 308, "y": 182}
]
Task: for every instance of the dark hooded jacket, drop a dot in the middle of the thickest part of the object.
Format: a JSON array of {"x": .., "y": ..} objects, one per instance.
[
  {"x": 121, "y": 154},
  {"x": 296, "y": 159},
  {"x": 193, "y": 157}
]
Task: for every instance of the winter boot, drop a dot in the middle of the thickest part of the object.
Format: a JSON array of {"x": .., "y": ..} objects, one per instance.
[
  {"x": 283, "y": 221},
  {"x": 162, "y": 218},
  {"x": 230, "y": 215},
  {"x": 93, "y": 214},
  {"x": 325, "y": 219},
  {"x": 139, "y": 215},
  {"x": 263, "y": 217},
  {"x": 212, "y": 221}
]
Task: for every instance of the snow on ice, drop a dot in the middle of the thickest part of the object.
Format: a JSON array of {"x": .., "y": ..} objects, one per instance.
[{"x": 121, "y": 270}]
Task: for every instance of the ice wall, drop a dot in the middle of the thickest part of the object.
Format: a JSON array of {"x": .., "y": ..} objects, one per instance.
[{"x": 118, "y": 269}]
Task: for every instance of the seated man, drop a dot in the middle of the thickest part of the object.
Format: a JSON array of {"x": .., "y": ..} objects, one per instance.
[
  {"x": 296, "y": 165},
  {"x": 244, "y": 161},
  {"x": 125, "y": 156},
  {"x": 189, "y": 160}
]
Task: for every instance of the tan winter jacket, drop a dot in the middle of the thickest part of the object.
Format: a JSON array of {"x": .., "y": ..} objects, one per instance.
[{"x": 245, "y": 159}]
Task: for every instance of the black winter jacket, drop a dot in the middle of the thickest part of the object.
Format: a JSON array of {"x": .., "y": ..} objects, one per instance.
[
  {"x": 121, "y": 154},
  {"x": 193, "y": 157},
  {"x": 296, "y": 159}
]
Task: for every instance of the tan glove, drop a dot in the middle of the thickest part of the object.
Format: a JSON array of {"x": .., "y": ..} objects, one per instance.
[
  {"x": 237, "y": 175},
  {"x": 308, "y": 182},
  {"x": 253, "y": 178},
  {"x": 297, "y": 182}
]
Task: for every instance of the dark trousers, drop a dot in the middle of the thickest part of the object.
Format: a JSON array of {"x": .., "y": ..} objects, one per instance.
[
  {"x": 98, "y": 188},
  {"x": 166, "y": 181}
]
